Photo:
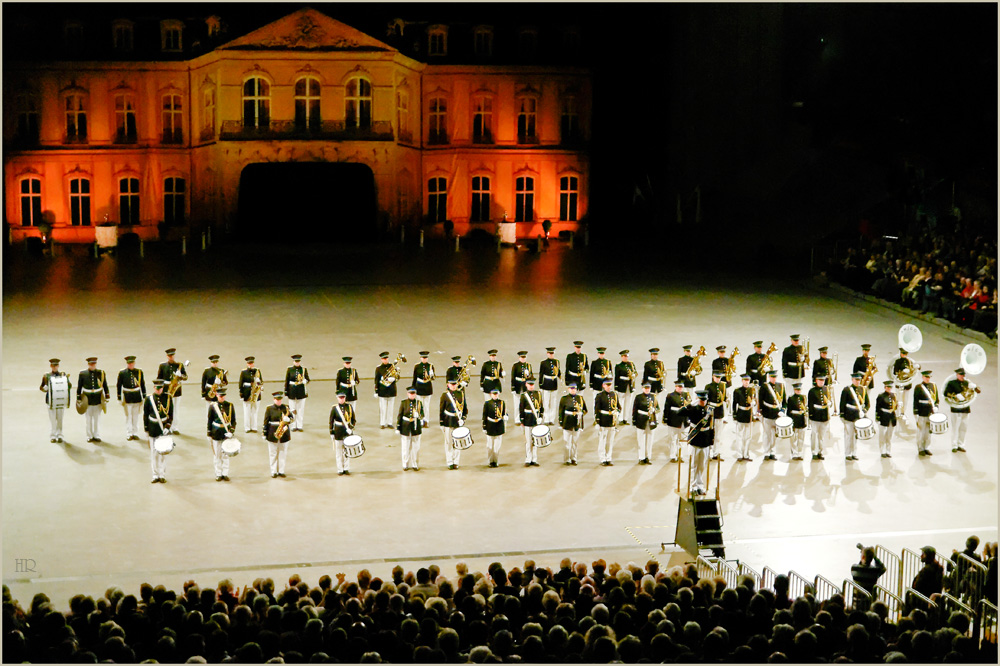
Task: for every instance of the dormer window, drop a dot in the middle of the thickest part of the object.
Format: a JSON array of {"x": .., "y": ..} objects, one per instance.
[
  {"x": 73, "y": 36},
  {"x": 571, "y": 41},
  {"x": 482, "y": 41},
  {"x": 213, "y": 24},
  {"x": 437, "y": 44},
  {"x": 527, "y": 42},
  {"x": 170, "y": 35},
  {"x": 122, "y": 32}
]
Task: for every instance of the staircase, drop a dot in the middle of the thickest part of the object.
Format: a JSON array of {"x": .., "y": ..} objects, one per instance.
[{"x": 699, "y": 527}]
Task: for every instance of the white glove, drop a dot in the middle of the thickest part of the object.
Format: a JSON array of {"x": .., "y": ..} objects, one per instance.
[{"x": 461, "y": 423}]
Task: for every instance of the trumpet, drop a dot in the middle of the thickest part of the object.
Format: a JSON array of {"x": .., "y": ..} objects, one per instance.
[{"x": 695, "y": 368}]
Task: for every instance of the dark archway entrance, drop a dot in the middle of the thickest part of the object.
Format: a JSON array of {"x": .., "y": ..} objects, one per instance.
[{"x": 302, "y": 202}]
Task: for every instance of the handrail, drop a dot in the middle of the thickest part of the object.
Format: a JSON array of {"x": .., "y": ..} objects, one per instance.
[
  {"x": 893, "y": 569},
  {"x": 825, "y": 588},
  {"x": 892, "y": 602},
  {"x": 797, "y": 585},
  {"x": 856, "y": 596},
  {"x": 987, "y": 621},
  {"x": 950, "y": 603},
  {"x": 747, "y": 571},
  {"x": 705, "y": 568},
  {"x": 728, "y": 572},
  {"x": 767, "y": 577},
  {"x": 968, "y": 579}
]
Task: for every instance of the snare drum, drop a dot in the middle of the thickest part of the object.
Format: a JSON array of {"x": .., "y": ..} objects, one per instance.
[
  {"x": 353, "y": 446},
  {"x": 231, "y": 447},
  {"x": 864, "y": 429},
  {"x": 461, "y": 438},
  {"x": 783, "y": 427},
  {"x": 939, "y": 424},
  {"x": 59, "y": 392},
  {"x": 540, "y": 436},
  {"x": 164, "y": 445}
]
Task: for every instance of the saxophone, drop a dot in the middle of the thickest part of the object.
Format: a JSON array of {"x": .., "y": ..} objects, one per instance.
[
  {"x": 256, "y": 387},
  {"x": 286, "y": 420}
]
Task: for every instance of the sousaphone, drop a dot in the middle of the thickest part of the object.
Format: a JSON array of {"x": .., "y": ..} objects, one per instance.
[
  {"x": 910, "y": 339},
  {"x": 973, "y": 361}
]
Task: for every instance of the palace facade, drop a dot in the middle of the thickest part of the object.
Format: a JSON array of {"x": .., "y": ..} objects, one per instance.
[{"x": 173, "y": 124}]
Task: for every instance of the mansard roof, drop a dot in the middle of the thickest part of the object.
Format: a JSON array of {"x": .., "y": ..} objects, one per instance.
[{"x": 306, "y": 30}]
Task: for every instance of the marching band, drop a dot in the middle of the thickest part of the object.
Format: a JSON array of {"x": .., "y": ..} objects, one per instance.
[{"x": 785, "y": 411}]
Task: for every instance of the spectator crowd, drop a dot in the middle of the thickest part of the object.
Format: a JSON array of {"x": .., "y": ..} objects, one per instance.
[{"x": 576, "y": 614}]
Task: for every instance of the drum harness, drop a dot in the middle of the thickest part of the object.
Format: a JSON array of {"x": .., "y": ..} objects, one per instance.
[
  {"x": 458, "y": 412},
  {"x": 222, "y": 417},
  {"x": 343, "y": 419},
  {"x": 930, "y": 396},
  {"x": 156, "y": 411},
  {"x": 857, "y": 401},
  {"x": 531, "y": 403}
]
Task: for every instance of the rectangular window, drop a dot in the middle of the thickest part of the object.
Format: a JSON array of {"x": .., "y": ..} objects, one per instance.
[
  {"x": 31, "y": 202},
  {"x": 76, "y": 119},
  {"x": 525, "y": 203},
  {"x": 437, "y": 45},
  {"x": 125, "y": 127},
  {"x": 483, "y": 43},
  {"x": 480, "y": 199},
  {"x": 122, "y": 37},
  {"x": 568, "y": 194},
  {"x": 482, "y": 121},
  {"x": 208, "y": 114},
  {"x": 173, "y": 131},
  {"x": 170, "y": 35},
  {"x": 569, "y": 124},
  {"x": 437, "y": 199},
  {"x": 526, "y": 120},
  {"x": 79, "y": 202},
  {"x": 438, "y": 118},
  {"x": 27, "y": 119},
  {"x": 307, "y": 103},
  {"x": 173, "y": 200},
  {"x": 403, "y": 116},
  {"x": 128, "y": 201},
  {"x": 359, "y": 103}
]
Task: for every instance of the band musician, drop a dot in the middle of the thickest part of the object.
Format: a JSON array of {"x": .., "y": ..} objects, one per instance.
[
  {"x": 644, "y": 418},
  {"x": 131, "y": 391},
  {"x": 342, "y": 423},
  {"x": 453, "y": 411},
  {"x": 572, "y": 409},
  {"x": 277, "y": 430},
  {"x": 625, "y": 374},
  {"x": 56, "y": 403},
  {"x": 549, "y": 384},
  {"x": 296, "y": 379},
  {"x": 157, "y": 417},
  {"x": 530, "y": 413},
  {"x": 251, "y": 388}
]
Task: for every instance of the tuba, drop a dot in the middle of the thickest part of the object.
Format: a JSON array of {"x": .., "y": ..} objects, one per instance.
[
  {"x": 973, "y": 361},
  {"x": 695, "y": 368},
  {"x": 910, "y": 339},
  {"x": 870, "y": 371},
  {"x": 731, "y": 366},
  {"x": 765, "y": 364}
]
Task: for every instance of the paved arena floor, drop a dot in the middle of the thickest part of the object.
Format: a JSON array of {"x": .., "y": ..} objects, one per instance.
[{"x": 79, "y": 517}]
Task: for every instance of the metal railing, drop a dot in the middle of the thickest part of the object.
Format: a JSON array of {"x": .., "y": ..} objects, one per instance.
[
  {"x": 949, "y": 604},
  {"x": 706, "y": 568},
  {"x": 797, "y": 585},
  {"x": 987, "y": 622},
  {"x": 967, "y": 580},
  {"x": 747, "y": 571},
  {"x": 856, "y": 597},
  {"x": 767, "y": 578},
  {"x": 912, "y": 565},
  {"x": 331, "y": 130},
  {"x": 892, "y": 578},
  {"x": 825, "y": 588},
  {"x": 913, "y": 599},
  {"x": 728, "y": 572},
  {"x": 892, "y": 602}
]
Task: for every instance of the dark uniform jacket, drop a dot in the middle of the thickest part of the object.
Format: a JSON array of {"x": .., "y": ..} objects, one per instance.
[
  {"x": 674, "y": 409},
  {"x": 208, "y": 378},
  {"x": 901, "y": 364},
  {"x": 166, "y": 372},
  {"x": 160, "y": 405},
  {"x": 717, "y": 397},
  {"x": 453, "y": 373},
  {"x": 772, "y": 399},
  {"x": 385, "y": 381},
  {"x": 925, "y": 399},
  {"x": 48, "y": 389},
  {"x": 219, "y": 425},
  {"x": 654, "y": 373},
  {"x": 576, "y": 369},
  {"x": 296, "y": 378},
  {"x": 956, "y": 387},
  {"x": 793, "y": 362},
  {"x": 851, "y": 408},
  {"x": 742, "y": 412},
  {"x": 423, "y": 377},
  {"x": 493, "y": 413},
  {"x": 599, "y": 369},
  {"x": 549, "y": 371},
  {"x": 885, "y": 409},
  {"x": 342, "y": 420},
  {"x": 798, "y": 410},
  {"x": 625, "y": 374},
  {"x": 132, "y": 385},
  {"x": 753, "y": 368},
  {"x": 490, "y": 376},
  {"x": 247, "y": 377},
  {"x": 823, "y": 366},
  {"x": 607, "y": 411},
  {"x": 683, "y": 365},
  {"x": 703, "y": 426},
  {"x": 520, "y": 371},
  {"x": 720, "y": 365},
  {"x": 347, "y": 381},
  {"x": 572, "y": 409},
  {"x": 272, "y": 418},
  {"x": 861, "y": 365},
  {"x": 453, "y": 408},
  {"x": 410, "y": 422},
  {"x": 526, "y": 416},
  {"x": 92, "y": 384},
  {"x": 819, "y": 404},
  {"x": 644, "y": 409}
]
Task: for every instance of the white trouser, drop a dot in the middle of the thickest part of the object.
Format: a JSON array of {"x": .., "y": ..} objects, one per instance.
[
  {"x": 219, "y": 459},
  {"x": 385, "y": 411},
  {"x": 644, "y": 439},
  {"x": 133, "y": 418},
  {"x": 820, "y": 430},
  {"x": 699, "y": 468},
  {"x": 299, "y": 407},
  {"x": 177, "y": 413},
  {"x": 572, "y": 439},
  {"x": 625, "y": 400},
  {"x": 530, "y": 450},
  {"x": 605, "y": 443},
  {"x": 885, "y": 438},
  {"x": 250, "y": 410},
  {"x": 157, "y": 462},
  {"x": 93, "y": 417},
  {"x": 410, "y": 450},
  {"x": 451, "y": 454},
  {"x": 56, "y": 422},
  {"x": 923, "y": 433},
  {"x": 343, "y": 462},
  {"x": 493, "y": 448},
  {"x": 769, "y": 430},
  {"x": 904, "y": 400},
  {"x": 798, "y": 441},
  {"x": 550, "y": 406},
  {"x": 673, "y": 441},
  {"x": 277, "y": 452},
  {"x": 425, "y": 400},
  {"x": 719, "y": 425},
  {"x": 850, "y": 438},
  {"x": 743, "y": 437},
  {"x": 959, "y": 426}
]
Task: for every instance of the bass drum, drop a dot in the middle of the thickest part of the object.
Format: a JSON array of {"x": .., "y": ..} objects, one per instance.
[{"x": 59, "y": 392}]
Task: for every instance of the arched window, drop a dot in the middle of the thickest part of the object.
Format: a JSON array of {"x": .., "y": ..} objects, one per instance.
[
  {"x": 256, "y": 103},
  {"x": 438, "y": 117},
  {"x": 568, "y": 194},
  {"x": 170, "y": 35},
  {"x": 307, "y": 103},
  {"x": 358, "y": 98},
  {"x": 173, "y": 125},
  {"x": 482, "y": 44},
  {"x": 437, "y": 199},
  {"x": 125, "y": 126},
  {"x": 79, "y": 202},
  {"x": 128, "y": 201},
  {"x": 173, "y": 200},
  {"x": 526, "y": 107},
  {"x": 480, "y": 199},
  {"x": 31, "y": 202},
  {"x": 525, "y": 204},
  {"x": 482, "y": 119},
  {"x": 76, "y": 119}
]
